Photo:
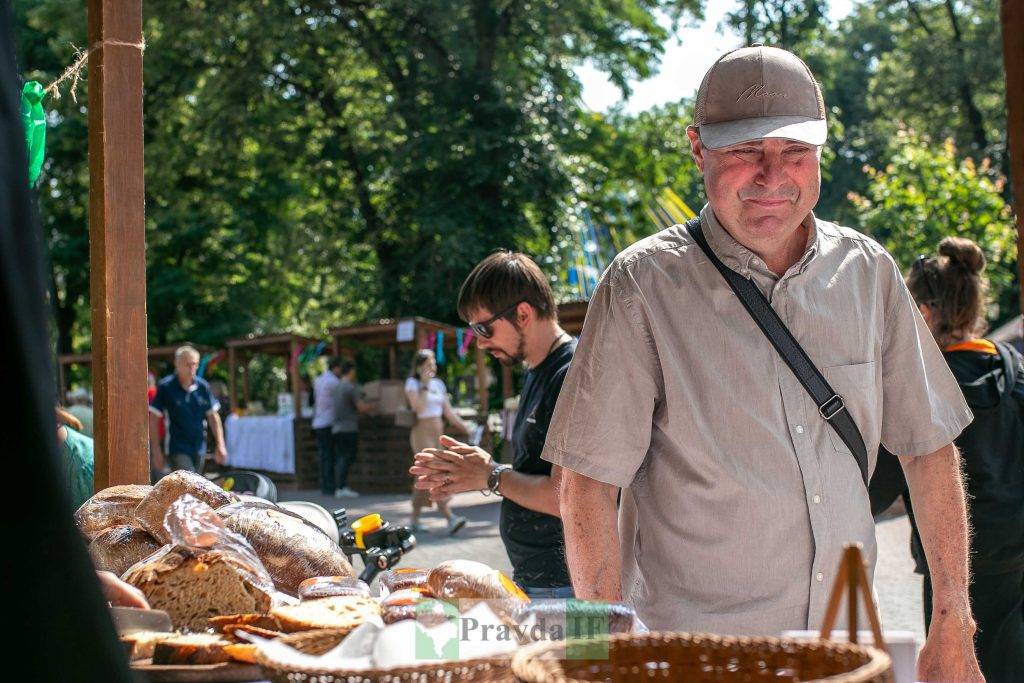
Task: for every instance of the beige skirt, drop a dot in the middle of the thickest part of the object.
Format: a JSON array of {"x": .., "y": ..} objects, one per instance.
[{"x": 426, "y": 433}]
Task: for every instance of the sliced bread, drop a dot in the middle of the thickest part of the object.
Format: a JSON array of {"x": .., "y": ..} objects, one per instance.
[
  {"x": 193, "y": 588},
  {"x": 192, "y": 648},
  {"x": 343, "y": 612},
  {"x": 140, "y": 644}
]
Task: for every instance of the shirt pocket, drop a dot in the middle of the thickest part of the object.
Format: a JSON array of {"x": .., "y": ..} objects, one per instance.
[{"x": 858, "y": 385}]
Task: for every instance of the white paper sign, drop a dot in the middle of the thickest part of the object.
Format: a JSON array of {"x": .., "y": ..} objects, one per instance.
[{"x": 406, "y": 331}]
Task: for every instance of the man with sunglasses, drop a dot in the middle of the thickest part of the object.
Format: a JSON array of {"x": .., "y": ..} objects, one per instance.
[
  {"x": 738, "y": 489},
  {"x": 509, "y": 305}
]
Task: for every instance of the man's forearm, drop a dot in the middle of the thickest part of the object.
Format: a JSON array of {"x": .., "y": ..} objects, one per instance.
[
  {"x": 590, "y": 524},
  {"x": 533, "y": 491},
  {"x": 940, "y": 509},
  {"x": 217, "y": 429}
]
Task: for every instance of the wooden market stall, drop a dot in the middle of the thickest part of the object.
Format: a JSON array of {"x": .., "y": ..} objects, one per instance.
[
  {"x": 282, "y": 445},
  {"x": 384, "y": 451}
]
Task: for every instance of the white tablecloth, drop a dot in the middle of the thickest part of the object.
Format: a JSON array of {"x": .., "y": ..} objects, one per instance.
[{"x": 261, "y": 442}]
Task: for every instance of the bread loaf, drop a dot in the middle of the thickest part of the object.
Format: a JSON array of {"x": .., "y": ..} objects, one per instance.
[
  {"x": 192, "y": 648},
  {"x": 402, "y": 578},
  {"x": 343, "y": 613},
  {"x": 193, "y": 588},
  {"x": 226, "y": 622},
  {"x": 291, "y": 548},
  {"x": 456, "y": 580},
  {"x": 117, "y": 548},
  {"x": 153, "y": 507},
  {"x": 140, "y": 644},
  {"x": 112, "y": 506},
  {"x": 329, "y": 586}
]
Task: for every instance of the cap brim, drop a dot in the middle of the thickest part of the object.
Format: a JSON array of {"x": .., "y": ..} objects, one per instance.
[{"x": 728, "y": 133}]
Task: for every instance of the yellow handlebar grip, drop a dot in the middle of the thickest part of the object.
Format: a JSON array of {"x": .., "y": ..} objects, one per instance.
[{"x": 366, "y": 525}]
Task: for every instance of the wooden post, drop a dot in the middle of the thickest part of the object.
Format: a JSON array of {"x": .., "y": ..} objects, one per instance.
[
  {"x": 483, "y": 390},
  {"x": 232, "y": 369},
  {"x": 293, "y": 364},
  {"x": 246, "y": 360},
  {"x": 1012, "y": 19},
  {"x": 117, "y": 246},
  {"x": 507, "y": 385},
  {"x": 392, "y": 361}
]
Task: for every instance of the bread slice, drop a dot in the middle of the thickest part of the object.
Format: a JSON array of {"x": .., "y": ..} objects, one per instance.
[
  {"x": 193, "y": 588},
  {"x": 192, "y": 648},
  {"x": 140, "y": 644},
  {"x": 152, "y": 509},
  {"x": 343, "y": 612},
  {"x": 232, "y": 621}
]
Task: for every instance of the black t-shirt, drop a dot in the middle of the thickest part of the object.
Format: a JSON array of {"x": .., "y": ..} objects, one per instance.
[{"x": 533, "y": 539}]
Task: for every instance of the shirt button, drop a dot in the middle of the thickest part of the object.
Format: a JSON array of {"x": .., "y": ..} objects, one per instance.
[
  {"x": 799, "y": 429},
  {"x": 820, "y": 577},
  {"x": 816, "y": 498}
]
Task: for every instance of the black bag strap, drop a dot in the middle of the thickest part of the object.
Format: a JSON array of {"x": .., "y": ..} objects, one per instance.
[
  {"x": 1011, "y": 360},
  {"x": 830, "y": 404}
]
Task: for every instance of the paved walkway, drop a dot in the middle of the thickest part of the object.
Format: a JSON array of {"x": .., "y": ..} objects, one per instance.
[{"x": 897, "y": 587}]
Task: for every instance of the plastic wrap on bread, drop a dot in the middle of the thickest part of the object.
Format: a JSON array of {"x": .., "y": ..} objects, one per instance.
[
  {"x": 401, "y": 578},
  {"x": 113, "y": 506},
  {"x": 459, "y": 580},
  {"x": 153, "y": 508},
  {"x": 117, "y": 548},
  {"x": 206, "y": 570},
  {"x": 410, "y": 603},
  {"x": 330, "y": 586},
  {"x": 291, "y": 548},
  {"x": 565, "y": 619}
]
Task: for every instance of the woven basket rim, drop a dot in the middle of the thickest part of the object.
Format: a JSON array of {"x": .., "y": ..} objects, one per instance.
[
  {"x": 878, "y": 663},
  {"x": 446, "y": 666}
]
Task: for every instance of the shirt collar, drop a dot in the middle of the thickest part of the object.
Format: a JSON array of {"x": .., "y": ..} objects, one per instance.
[{"x": 741, "y": 259}]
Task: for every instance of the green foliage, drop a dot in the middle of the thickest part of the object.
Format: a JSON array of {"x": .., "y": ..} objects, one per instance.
[{"x": 927, "y": 192}]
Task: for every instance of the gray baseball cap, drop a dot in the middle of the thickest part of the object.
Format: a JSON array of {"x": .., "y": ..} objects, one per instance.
[{"x": 759, "y": 92}]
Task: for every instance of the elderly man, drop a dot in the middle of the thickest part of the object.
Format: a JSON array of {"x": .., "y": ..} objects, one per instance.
[
  {"x": 188, "y": 403},
  {"x": 737, "y": 493}
]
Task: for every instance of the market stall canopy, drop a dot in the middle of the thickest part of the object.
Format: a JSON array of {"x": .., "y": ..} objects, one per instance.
[
  {"x": 571, "y": 315},
  {"x": 156, "y": 353},
  {"x": 285, "y": 344}
]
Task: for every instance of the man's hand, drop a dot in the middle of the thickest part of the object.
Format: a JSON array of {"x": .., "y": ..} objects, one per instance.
[
  {"x": 948, "y": 652},
  {"x": 220, "y": 454},
  {"x": 454, "y": 468},
  {"x": 119, "y": 593}
]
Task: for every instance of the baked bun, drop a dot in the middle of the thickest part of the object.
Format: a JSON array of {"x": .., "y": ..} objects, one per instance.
[
  {"x": 404, "y": 577},
  {"x": 153, "y": 508},
  {"x": 456, "y": 580},
  {"x": 113, "y": 506},
  {"x": 330, "y": 586},
  {"x": 117, "y": 548}
]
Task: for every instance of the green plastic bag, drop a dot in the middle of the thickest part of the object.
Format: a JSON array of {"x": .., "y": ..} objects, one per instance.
[{"x": 34, "y": 119}]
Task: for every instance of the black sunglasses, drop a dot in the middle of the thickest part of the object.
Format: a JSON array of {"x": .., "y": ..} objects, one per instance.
[
  {"x": 920, "y": 266},
  {"x": 485, "y": 329}
]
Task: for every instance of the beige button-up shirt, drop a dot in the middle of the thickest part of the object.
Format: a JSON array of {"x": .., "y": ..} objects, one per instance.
[{"x": 737, "y": 496}]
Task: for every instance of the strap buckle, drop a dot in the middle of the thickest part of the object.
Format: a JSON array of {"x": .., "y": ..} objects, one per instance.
[{"x": 831, "y": 407}]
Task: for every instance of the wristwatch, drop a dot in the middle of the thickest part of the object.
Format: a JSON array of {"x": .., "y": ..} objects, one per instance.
[{"x": 494, "y": 478}]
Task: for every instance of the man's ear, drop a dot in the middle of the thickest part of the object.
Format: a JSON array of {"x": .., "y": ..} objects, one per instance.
[
  {"x": 696, "y": 148},
  {"x": 524, "y": 314}
]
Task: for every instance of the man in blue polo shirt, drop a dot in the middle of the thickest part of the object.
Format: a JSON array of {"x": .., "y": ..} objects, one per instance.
[{"x": 187, "y": 401}]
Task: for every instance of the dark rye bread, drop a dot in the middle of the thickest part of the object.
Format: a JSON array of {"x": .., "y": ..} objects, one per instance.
[
  {"x": 119, "y": 547},
  {"x": 291, "y": 548},
  {"x": 114, "y": 506},
  {"x": 193, "y": 588},
  {"x": 153, "y": 508}
]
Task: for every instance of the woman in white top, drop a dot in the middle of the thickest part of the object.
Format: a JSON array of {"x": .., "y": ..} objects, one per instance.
[{"x": 429, "y": 398}]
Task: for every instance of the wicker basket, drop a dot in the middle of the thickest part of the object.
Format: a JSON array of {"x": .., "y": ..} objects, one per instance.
[
  {"x": 483, "y": 670},
  {"x": 699, "y": 657}
]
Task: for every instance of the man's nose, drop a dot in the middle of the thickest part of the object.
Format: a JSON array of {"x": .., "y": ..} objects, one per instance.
[{"x": 772, "y": 172}]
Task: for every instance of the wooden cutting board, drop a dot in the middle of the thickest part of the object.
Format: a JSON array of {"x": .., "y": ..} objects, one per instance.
[{"x": 192, "y": 673}]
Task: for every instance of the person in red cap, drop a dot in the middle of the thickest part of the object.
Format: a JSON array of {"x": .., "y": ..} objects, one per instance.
[{"x": 742, "y": 479}]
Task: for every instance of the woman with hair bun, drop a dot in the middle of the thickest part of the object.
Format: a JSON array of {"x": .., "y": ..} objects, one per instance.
[{"x": 950, "y": 289}]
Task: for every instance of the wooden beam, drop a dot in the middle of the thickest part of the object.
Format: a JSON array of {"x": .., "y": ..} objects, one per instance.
[
  {"x": 232, "y": 369},
  {"x": 293, "y": 372},
  {"x": 117, "y": 244},
  {"x": 245, "y": 379},
  {"x": 483, "y": 390},
  {"x": 1012, "y": 19}
]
